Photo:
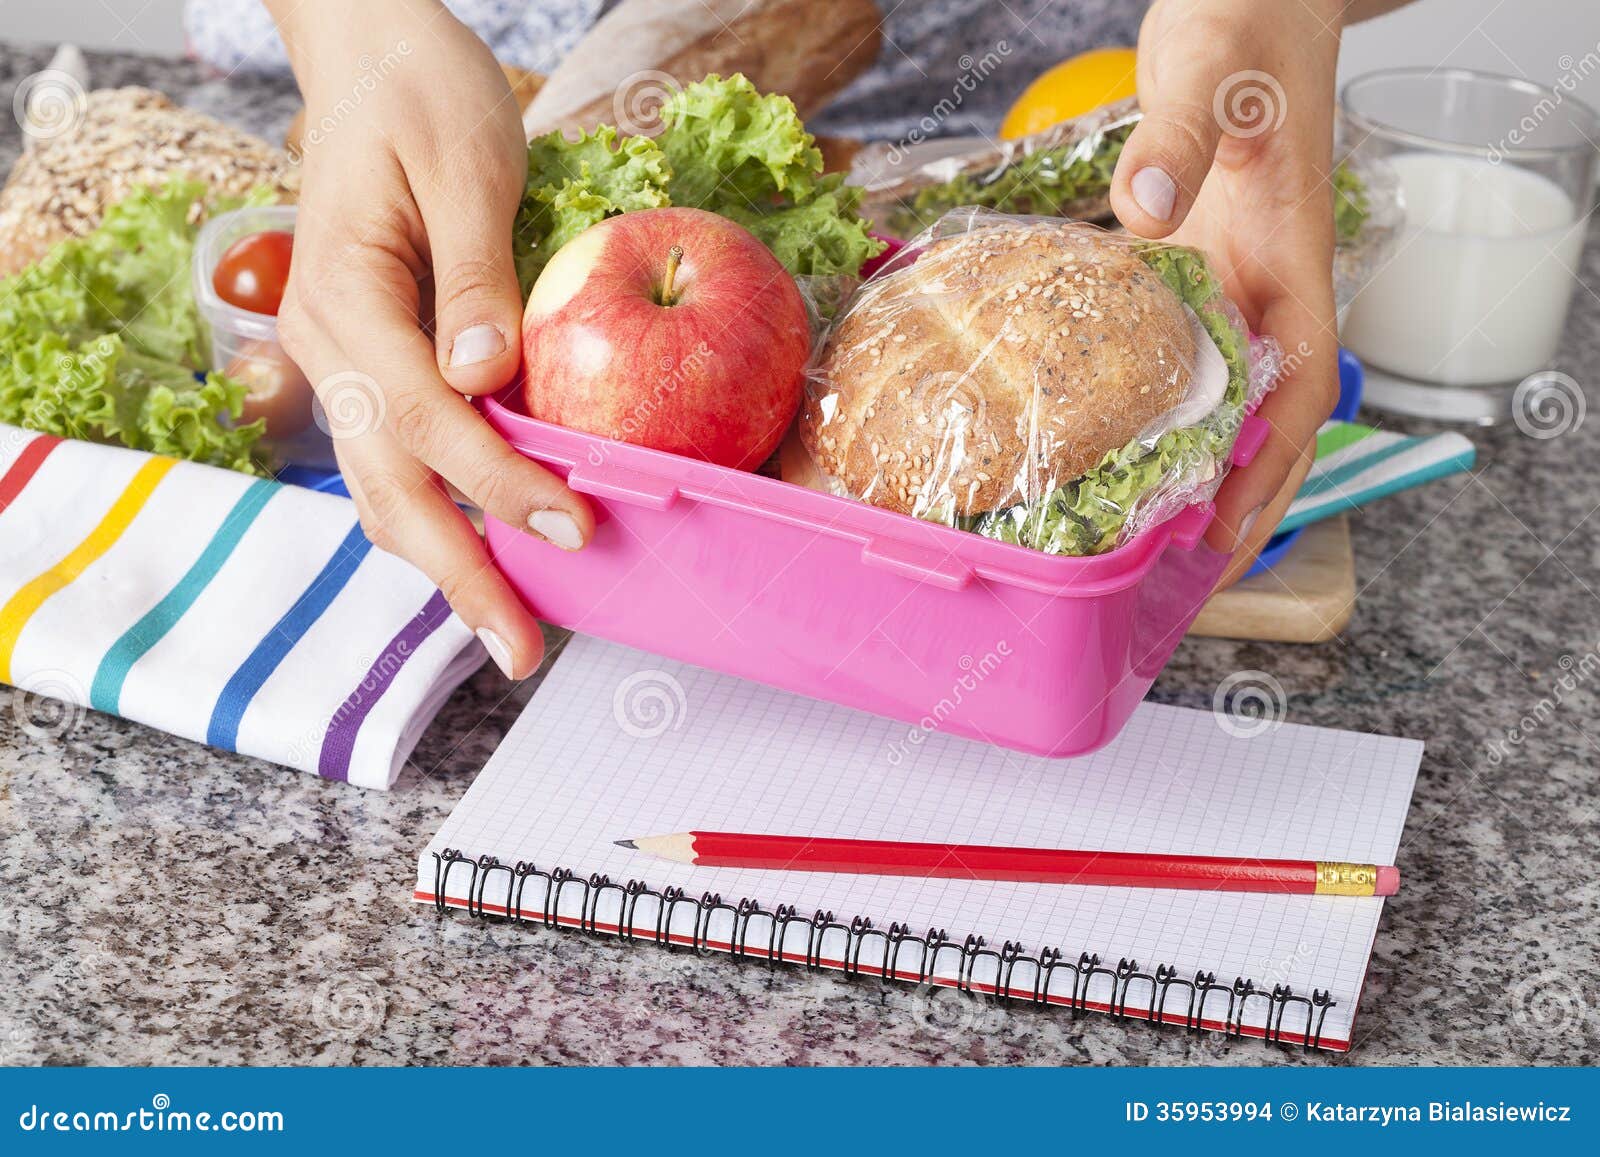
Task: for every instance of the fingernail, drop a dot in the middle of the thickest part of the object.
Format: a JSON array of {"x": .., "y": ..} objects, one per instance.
[
  {"x": 476, "y": 343},
  {"x": 1246, "y": 523},
  {"x": 1156, "y": 193},
  {"x": 557, "y": 527},
  {"x": 498, "y": 651}
]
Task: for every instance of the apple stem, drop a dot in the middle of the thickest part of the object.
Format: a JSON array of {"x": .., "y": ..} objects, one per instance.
[{"x": 674, "y": 255}]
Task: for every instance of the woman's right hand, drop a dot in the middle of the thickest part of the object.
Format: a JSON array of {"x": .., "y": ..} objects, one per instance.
[{"x": 413, "y": 169}]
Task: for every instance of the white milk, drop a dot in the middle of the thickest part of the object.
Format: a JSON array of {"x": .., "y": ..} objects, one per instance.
[{"x": 1477, "y": 286}]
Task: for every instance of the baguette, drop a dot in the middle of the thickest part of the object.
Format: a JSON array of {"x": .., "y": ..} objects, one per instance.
[{"x": 805, "y": 49}]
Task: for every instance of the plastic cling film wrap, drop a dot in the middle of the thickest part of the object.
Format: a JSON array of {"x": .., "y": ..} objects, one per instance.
[
  {"x": 1367, "y": 215},
  {"x": 1066, "y": 171},
  {"x": 1033, "y": 380},
  {"x": 1063, "y": 171}
]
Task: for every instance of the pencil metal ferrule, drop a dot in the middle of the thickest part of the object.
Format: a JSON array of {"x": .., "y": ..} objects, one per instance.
[{"x": 1337, "y": 878}]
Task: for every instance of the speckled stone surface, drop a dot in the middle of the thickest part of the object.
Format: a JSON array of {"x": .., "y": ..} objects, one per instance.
[{"x": 166, "y": 903}]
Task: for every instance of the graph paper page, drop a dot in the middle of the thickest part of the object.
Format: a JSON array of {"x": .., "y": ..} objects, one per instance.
[{"x": 619, "y": 744}]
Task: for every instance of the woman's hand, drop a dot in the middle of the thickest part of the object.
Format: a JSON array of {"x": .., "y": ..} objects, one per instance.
[
  {"x": 413, "y": 169},
  {"x": 1233, "y": 156}
]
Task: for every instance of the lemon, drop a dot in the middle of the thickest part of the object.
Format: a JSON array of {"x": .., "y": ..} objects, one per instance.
[{"x": 1070, "y": 89}]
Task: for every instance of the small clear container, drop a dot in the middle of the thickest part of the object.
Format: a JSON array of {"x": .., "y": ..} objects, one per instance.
[{"x": 244, "y": 345}]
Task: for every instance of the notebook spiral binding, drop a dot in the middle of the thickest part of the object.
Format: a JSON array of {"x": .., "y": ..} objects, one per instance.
[{"x": 900, "y": 953}]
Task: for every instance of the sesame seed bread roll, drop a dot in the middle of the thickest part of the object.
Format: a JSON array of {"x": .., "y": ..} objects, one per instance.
[
  {"x": 1002, "y": 363},
  {"x": 125, "y": 138}
]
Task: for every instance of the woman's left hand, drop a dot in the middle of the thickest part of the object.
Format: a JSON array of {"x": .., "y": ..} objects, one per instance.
[{"x": 1233, "y": 157}]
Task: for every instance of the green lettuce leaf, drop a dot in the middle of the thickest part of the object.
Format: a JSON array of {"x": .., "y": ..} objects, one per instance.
[
  {"x": 731, "y": 146},
  {"x": 725, "y": 148},
  {"x": 1351, "y": 204},
  {"x": 1048, "y": 182},
  {"x": 105, "y": 391},
  {"x": 819, "y": 238},
  {"x": 101, "y": 339},
  {"x": 575, "y": 184},
  {"x": 145, "y": 244},
  {"x": 1075, "y": 181}
]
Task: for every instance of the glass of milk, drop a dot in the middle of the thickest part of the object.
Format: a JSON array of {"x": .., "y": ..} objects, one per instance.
[{"x": 1496, "y": 179}]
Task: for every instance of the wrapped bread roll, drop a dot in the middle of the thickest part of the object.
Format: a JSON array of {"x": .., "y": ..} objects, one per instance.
[
  {"x": 1033, "y": 380},
  {"x": 1002, "y": 360}
]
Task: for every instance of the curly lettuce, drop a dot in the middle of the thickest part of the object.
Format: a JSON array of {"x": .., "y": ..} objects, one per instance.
[
  {"x": 575, "y": 184},
  {"x": 1072, "y": 180},
  {"x": 723, "y": 147},
  {"x": 1351, "y": 204},
  {"x": 728, "y": 144},
  {"x": 102, "y": 340},
  {"x": 1048, "y": 182}
]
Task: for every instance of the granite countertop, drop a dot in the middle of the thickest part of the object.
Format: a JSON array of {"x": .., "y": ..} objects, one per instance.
[{"x": 168, "y": 903}]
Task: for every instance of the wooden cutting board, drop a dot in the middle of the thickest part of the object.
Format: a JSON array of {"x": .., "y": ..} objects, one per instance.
[{"x": 1306, "y": 598}]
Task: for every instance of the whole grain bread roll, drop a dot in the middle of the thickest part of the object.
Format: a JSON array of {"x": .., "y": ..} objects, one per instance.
[
  {"x": 125, "y": 137},
  {"x": 1004, "y": 362}
]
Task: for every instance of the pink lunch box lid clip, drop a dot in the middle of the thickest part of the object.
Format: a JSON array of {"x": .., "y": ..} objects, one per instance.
[{"x": 1252, "y": 436}]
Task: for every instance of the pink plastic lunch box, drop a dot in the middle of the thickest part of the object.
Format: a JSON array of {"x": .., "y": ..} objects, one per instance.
[{"x": 832, "y": 598}]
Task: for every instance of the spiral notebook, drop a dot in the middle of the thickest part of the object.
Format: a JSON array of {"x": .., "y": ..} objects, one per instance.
[{"x": 618, "y": 744}]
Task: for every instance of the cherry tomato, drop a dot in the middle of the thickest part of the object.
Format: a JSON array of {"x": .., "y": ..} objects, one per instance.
[{"x": 252, "y": 273}]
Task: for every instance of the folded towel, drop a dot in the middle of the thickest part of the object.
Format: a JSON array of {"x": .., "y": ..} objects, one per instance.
[
  {"x": 231, "y": 610},
  {"x": 1357, "y": 463}
]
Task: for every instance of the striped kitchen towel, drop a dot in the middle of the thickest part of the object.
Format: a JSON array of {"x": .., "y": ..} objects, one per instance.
[
  {"x": 1357, "y": 463},
  {"x": 226, "y": 609}
]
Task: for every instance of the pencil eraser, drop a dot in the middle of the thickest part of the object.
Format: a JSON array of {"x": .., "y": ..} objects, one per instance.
[{"x": 1388, "y": 882}]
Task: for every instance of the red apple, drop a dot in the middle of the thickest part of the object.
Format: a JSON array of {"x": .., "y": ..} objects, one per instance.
[{"x": 669, "y": 328}]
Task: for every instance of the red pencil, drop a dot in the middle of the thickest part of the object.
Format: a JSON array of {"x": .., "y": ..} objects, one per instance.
[{"x": 1030, "y": 865}]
